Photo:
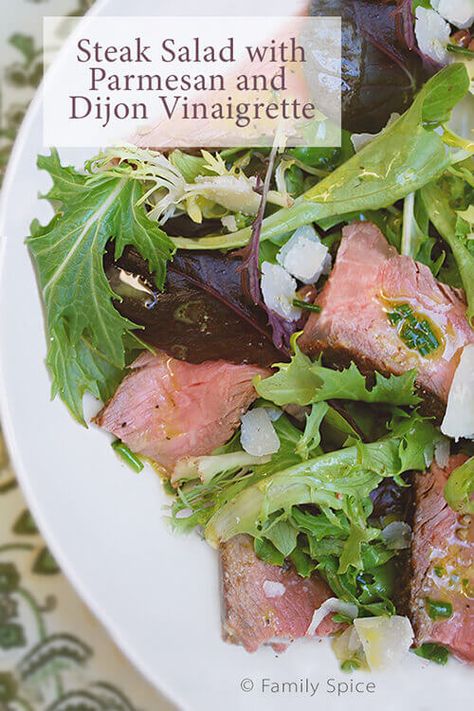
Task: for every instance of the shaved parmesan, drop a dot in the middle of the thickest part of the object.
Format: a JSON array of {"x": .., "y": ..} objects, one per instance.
[
  {"x": 385, "y": 640},
  {"x": 459, "y": 418},
  {"x": 274, "y": 413},
  {"x": 432, "y": 34},
  {"x": 442, "y": 452},
  {"x": 459, "y": 13},
  {"x": 184, "y": 513},
  {"x": 397, "y": 535},
  {"x": 348, "y": 646},
  {"x": 257, "y": 434},
  {"x": 304, "y": 256},
  {"x": 279, "y": 291},
  {"x": 329, "y": 606},
  {"x": 272, "y": 588},
  {"x": 230, "y": 223}
]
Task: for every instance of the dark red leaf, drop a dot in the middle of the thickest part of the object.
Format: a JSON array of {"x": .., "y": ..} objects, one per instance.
[
  {"x": 201, "y": 315},
  {"x": 282, "y": 330},
  {"x": 381, "y": 69}
]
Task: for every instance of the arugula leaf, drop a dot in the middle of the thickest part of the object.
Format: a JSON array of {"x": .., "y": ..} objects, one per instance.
[
  {"x": 459, "y": 490},
  {"x": 303, "y": 381},
  {"x": 416, "y": 242},
  {"x": 88, "y": 340},
  {"x": 352, "y": 551},
  {"x": 368, "y": 181}
]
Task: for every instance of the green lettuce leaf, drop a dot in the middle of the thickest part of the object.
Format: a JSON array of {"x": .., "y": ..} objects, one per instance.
[
  {"x": 88, "y": 340},
  {"x": 204, "y": 497},
  {"x": 266, "y": 551},
  {"x": 303, "y": 382}
]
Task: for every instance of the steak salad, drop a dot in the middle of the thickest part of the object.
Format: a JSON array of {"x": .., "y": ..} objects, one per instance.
[{"x": 287, "y": 336}]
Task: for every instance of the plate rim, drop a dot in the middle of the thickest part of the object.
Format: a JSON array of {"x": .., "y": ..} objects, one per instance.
[{"x": 14, "y": 448}]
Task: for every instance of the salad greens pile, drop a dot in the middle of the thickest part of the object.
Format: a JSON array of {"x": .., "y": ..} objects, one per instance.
[{"x": 312, "y": 502}]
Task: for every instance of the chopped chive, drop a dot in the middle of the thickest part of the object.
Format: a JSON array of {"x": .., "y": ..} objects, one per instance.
[
  {"x": 456, "y": 49},
  {"x": 395, "y": 318},
  {"x": 304, "y": 305},
  {"x": 414, "y": 330},
  {"x": 127, "y": 455},
  {"x": 438, "y": 609},
  {"x": 434, "y": 652}
]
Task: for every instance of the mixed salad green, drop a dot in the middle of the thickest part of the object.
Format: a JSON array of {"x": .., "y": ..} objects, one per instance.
[{"x": 311, "y": 501}]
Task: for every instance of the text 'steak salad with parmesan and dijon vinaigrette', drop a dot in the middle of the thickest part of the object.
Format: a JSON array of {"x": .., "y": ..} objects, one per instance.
[{"x": 286, "y": 335}]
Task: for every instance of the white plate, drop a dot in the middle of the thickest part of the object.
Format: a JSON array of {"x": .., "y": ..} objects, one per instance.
[{"x": 157, "y": 594}]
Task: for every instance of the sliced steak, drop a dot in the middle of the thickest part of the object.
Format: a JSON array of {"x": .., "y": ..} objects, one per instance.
[
  {"x": 442, "y": 565},
  {"x": 166, "y": 409},
  {"x": 264, "y": 604},
  {"x": 370, "y": 280}
]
